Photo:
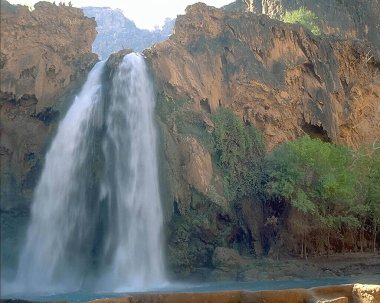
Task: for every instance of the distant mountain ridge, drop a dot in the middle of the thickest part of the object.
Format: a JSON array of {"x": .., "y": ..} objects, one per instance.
[{"x": 116, "y": 32}]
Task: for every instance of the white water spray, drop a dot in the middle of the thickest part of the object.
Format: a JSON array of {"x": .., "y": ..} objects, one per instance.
[
  {"x": 131, "y": 147},
  {"x": 96, "y": 216}
]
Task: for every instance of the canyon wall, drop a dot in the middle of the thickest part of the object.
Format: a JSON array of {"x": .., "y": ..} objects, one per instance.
[
  {"x": 45, "y": 57},
  {"x": 278, "y": 77},
  {"x": 355, "y": 19}
]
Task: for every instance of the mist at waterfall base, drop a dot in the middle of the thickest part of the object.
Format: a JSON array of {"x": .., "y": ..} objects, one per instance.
[{"x": 96, "y": 217}]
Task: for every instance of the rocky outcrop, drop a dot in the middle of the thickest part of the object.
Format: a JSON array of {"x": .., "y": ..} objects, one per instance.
[
  {"x": 275, "y": 76},
  {"x": 45, "y": 50},
  {"x": 348, "y": 19},
  {"x": 366, "y": 293},
  {"x": 45, "y": 56},
  {"x": 278, "y": 77}
]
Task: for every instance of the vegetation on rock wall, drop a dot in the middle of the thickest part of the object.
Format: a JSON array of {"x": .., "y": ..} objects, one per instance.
[
  {"x": 331, "y": 191},
  {"x": 193, "y": 237},
  {"x": 335, "y": 191},
  {"x": 316, "y": 197},
  {"x": 238, "y": 151},
  {"x": 182, "y": 119},
  {"x": 280, "y": 85},
  {"x": 304, "y": 17}
]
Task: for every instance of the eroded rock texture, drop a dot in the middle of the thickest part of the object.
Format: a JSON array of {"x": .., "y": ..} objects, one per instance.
[
  {"x": 358, "y": 19},
  {"x": 45, "y": 56},
  {"x": 284, "y": 80},
  {"x": 278, "y": 77}
]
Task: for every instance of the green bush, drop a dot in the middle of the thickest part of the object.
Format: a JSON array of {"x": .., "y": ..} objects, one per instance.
[
  {"x": 179, "y": 116},
  {"x": 334, "y": 188},
  {"x": 237, "y": 152},
  {"x": 314, "y": 177},
  {"x": 366, "y": 167},
  {"x": 304, "y": 17}
]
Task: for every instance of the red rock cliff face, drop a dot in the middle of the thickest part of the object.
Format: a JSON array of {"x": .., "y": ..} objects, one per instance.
[
  {"x": 357, "y": 19},
  {"x": 281, "y": 78},
  {"x": 45, "y": 56},
  {"x": 44, "y": 50}
]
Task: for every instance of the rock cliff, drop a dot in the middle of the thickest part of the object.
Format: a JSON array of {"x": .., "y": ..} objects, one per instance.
[
  {"x": 45, "y": 56},
  {"x": 358, "y": 19},
  {"x": 279, "y": 77},
  {"x": 275, "y": 76}
]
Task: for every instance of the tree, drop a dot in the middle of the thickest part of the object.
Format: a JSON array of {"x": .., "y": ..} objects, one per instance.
[
  {"x": 366, "y": 166},
  {"x": 304, "y": 17},
  {"x": 314, "y": 178}
]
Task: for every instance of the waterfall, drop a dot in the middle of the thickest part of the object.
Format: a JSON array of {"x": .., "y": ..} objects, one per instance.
[
  {"x": 96, "y": 218},
  {"x": 132, "y": 177}
]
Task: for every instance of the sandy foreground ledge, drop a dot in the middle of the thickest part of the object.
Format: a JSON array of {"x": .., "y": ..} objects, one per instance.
[{"x": 349, "y": 293}]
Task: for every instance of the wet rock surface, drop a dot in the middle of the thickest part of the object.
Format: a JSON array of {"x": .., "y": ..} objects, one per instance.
[{"x": 366, "y": 293}]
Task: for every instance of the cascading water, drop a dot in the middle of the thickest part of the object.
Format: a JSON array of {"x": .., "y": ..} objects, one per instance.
[
  {"x": 132, "y": 177},
  {"x": 96, "y": 216},
  {"x": 57, "y": 210}
]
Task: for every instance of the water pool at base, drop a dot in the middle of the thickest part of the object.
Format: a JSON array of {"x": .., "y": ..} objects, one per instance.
[{"x": 84, "y": 296}]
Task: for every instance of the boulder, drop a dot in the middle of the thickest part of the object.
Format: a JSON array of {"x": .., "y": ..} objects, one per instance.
[
  {"x": 224, "y": 257},
  {"x": 363, "y": 293}
]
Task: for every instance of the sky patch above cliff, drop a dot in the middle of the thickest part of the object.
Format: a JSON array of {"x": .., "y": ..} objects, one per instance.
[{"x": 146, "y": 14}]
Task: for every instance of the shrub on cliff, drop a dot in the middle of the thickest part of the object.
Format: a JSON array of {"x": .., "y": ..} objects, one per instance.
[
  {"x": 304, "y": 17},
  {"x": 333, "y": 189},
  {"x": 238, "y": 152},
  {"x": 314, "y": 177},
  {"x": 366, "y": 166}
]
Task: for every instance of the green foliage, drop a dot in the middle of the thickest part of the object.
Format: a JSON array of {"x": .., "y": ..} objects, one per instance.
[
  {"x": 315, "y": 178},
  {"x": 236, "y": 148},
  {"x": 182, "y": 119},
  {"x": 304, "y": 17},
  {"x": 167, "y": 108},
  {"x": 366, "y": 167},
  {"x": 335, "y": 188},
  {"x": 237, "y": 152}
]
